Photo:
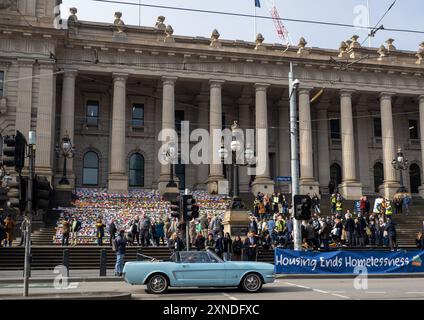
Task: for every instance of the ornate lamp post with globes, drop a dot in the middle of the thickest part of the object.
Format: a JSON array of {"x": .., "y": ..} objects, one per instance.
[{"x": 400, "y": 163}]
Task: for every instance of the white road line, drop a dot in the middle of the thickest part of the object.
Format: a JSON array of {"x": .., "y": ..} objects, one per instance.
[
  {"x": 414, "y": 292},
  {"x": 320, "y": 291},
  {"x": 290, "y": 284},
  {"x": 340, "y": 296},
  {"x": 303, "y": 287},
  {"x": 229, "y": 297}
]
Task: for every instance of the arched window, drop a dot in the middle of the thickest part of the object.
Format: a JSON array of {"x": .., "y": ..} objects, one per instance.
[
  {"x": 378, "y": 176},
  {"x": 90, "y": 175},
  {"x": 336, "y": 174},
  {"x": 136, "y": 176},
  {"x": 414, "y": 177}
]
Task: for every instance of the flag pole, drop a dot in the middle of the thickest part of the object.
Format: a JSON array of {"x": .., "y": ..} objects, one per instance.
[{"x": 254, "y": 23}]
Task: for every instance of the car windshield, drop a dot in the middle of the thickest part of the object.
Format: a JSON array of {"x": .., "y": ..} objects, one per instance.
[{"x": 198, "y": 257}]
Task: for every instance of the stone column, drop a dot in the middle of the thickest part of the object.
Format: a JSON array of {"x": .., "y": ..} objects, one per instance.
[
  {"x": 323, "y": 147},
  {"x": 284, "y": 153},
  {"x": 215, "y": 122},
  {"x": 203, "y": 123},
  {"x": 307, "y": 180},
  {"x": 390, "y": 184},
  {"x": 244, "y": 103},
  {"x": 46, "y": 120},
  {"x": 421, "y": 106},
  {"x": 24, "y": 100},
  {"x": 67, "y": 120},
  {"x": 262, "y": 182},
  {"x": 168, "y": 123},
  {"x": 363, "y": 134},
  {"x": 350, "y": 189},
  {"x": 118, "y": 177}
]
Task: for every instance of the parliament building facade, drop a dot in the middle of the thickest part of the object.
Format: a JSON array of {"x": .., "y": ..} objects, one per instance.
[{"x": 112, "y": 88}]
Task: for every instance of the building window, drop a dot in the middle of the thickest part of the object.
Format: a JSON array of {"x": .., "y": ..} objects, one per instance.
[
  {"x": 415, "y": 177},
  {"x": 90, "y": 175},
  {"x": 336, "y": 174},
  {"x": 335, "y": 129},
  {"x": 136, "y": 170},
  {"x": 1, "y": 83},
  {"x": 413, "y": 130},
  {"x": 378, "y": 176},
  {"x": 179, "y": 117},
  {"x": 92, "y": 113},
  {"x": 138, "y": 115},
  {"x": 377, "y": 127}
]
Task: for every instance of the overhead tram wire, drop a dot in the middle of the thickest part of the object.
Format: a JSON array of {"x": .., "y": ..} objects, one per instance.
[
  {"x": 377, "y": 28},
  {"x": 243, "y": 15}
]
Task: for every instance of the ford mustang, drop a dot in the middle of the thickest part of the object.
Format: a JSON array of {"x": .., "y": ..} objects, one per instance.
[{"x": 198, "y": 269}]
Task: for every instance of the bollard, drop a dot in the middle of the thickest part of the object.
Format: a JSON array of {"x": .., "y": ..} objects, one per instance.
[
  {"x": 65, "y": 261},
  {"x": 103, "y": 263},
  {"x": 139, "y": 257}
]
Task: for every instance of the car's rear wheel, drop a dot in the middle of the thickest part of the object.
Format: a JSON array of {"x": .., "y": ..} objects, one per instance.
[
  {"x": 251, "y": 283},
  {"x": 157, "y": 284}
]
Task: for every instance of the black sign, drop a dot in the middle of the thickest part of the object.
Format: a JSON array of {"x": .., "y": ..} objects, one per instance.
[{"x": 239, "y": 231}]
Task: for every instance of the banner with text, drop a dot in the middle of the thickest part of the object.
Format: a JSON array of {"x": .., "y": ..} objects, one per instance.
[{"x": 345, "y": 262}]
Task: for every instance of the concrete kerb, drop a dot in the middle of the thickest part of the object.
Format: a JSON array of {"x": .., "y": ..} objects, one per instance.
[
  {"x": 70, "y": 279},
  {"x": 71, "y": 296},
  {"x": 348, "y": 276}
]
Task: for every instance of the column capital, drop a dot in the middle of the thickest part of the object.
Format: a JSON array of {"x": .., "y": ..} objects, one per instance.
[
  {"x": 22, "y": 62},
  {"x": 216, "y": 83},
  {"x": 346, "y": 93},
  {"x": 169, "y": 80},
  {"x": 387, "y": 95},
  {"x": 202, "y": 98},
  {"x": 305, "y": 90},
  {"x": 261, "y": 86},
  {"x": 70, "y": 73},
  {"x": 421, "y": 98},
  {"x": 120, "y": 77}
]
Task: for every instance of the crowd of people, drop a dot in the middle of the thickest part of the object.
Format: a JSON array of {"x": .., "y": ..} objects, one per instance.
[
  {"x": 97, "y": 216},
  {"x": 272, "y": 223}
]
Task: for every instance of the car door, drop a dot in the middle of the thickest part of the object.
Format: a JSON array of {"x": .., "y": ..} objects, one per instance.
[{"x": 200, "y": 269}]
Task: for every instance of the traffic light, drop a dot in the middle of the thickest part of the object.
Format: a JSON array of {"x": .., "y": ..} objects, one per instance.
[
  {"x": 17, "y": 193},
  {"x": 189, "y": 207},
  {"x": 195, "y": 211},
  {"x": 14, "y": 151},
  {"x": 303, "y": 207},
  {"x": 41, "y": 193},
  {"x": 175, "y": 208}
]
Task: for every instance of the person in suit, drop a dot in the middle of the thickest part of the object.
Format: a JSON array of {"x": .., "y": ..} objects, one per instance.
[{"x": 250, "y": 245}]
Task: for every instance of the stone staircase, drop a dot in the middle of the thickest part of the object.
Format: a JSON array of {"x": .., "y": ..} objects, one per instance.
[{"x": 40, "y": 237}]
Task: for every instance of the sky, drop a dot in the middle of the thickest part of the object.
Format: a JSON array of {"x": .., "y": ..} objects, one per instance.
[{"x": 406, "y": 14}]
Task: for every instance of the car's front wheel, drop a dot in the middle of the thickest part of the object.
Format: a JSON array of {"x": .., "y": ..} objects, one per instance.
[
  {"x": 251, "y": 283},
  {"x": 157, "y": 284}
]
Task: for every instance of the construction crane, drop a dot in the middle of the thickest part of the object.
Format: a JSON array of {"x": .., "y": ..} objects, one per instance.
[{"x": 282, "y": 32}]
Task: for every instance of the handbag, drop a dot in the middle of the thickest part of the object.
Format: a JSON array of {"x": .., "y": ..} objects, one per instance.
[{"x": 368, "y": 231}]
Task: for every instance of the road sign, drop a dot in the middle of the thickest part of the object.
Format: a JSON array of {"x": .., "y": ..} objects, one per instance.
[{"x": 284, "y": 179}]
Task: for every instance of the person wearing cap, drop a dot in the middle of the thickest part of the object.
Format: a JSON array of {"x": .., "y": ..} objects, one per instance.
[{"x": 120, "y": 245}]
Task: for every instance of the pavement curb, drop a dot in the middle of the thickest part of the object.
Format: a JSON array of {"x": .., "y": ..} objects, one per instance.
[
  {"x": 349, "y": 276},
  {"x": 89, "y": 296},
  {"x": 70, "y": 279}
]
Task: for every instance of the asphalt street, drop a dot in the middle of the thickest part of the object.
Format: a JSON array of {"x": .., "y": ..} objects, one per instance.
[{"x": 282, "y": 289}]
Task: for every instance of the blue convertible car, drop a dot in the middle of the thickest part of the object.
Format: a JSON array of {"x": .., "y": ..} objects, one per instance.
[{"x": 198, "y": 269}]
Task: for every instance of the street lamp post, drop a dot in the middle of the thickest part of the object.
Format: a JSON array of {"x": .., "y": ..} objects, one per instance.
[
  {"x": 400, "y": 163},
  {"x": 246, "y": 159},
  {"x": 67, "y": 151}
]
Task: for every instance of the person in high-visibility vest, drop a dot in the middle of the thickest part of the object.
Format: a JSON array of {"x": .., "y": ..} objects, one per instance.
[
  {"x": 333, "y": 201},
  {"x": 389, "y": 209},
  {"x": 339, "y": 207}
]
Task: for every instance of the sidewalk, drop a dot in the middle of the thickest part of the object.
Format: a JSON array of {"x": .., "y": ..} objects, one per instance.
[{"x": 40, "y": 276}]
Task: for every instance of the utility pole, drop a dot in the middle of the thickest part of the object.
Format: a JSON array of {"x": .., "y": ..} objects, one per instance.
[
  {"x": 28, "y": 213},
  {"x": 294, "y": 156},
  {"x": 187, "y": 225}
]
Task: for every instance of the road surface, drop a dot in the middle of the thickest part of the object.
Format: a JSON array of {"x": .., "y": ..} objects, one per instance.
[{"x": 282, "y": 289}]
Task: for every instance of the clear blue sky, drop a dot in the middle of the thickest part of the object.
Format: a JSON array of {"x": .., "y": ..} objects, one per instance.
[{"x": 406, "y": 14}]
